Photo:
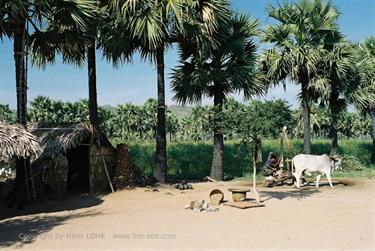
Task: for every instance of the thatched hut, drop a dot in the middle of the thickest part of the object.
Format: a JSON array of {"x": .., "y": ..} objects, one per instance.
[
  {"x": 16, "y": 142},
  {"x": 74, "y": 159}
]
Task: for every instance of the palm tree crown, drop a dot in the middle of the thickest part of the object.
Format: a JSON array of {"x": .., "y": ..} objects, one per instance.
[{"x": 226, "y": 68}]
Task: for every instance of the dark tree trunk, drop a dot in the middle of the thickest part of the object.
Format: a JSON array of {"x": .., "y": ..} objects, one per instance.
[
  {"x": 218, "y": 151},
  {"x": 160, "y": 170},
  {"x": 373, "y": 134},
  {"x": 306, "y": 119},
  {"x": 19, "y": 58},
  {"x": 93, "y": 102},
  {"x": 21, "y": 85},
  {"x": 334, "y": 114}
]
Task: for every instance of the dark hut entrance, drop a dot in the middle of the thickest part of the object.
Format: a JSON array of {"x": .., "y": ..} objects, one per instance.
[{"x": 78, "y": 180}]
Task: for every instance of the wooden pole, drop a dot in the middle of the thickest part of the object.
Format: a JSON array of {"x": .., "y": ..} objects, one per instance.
[
  {"x": 287, "y": 141},
  {"x": 106, "y": 173},
  {"x": 257, "y": 198},
  {"x": 282, "y": 150}
]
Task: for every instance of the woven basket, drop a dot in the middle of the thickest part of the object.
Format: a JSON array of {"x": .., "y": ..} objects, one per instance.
[
  {"x": 216, "y": 197},
  {"x": 238, "y": 194}
]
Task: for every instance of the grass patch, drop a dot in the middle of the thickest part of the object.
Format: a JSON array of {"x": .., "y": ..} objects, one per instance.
[{"x": 192, "y": 160}]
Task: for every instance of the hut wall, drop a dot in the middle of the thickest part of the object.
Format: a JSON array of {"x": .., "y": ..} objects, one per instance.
[
  {"x": 98, "y": 178},
  {"x": 51, "y": 177},
  {"x": 56, "y": 177}
]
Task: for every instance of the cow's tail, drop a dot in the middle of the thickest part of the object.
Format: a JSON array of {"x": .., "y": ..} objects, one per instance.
[
  {"x": 293, "y": 169},
  {"x": 293, "y": 172}
]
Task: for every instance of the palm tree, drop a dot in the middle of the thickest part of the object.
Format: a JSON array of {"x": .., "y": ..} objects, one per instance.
[
  {"x": 215, "y": 72},
  {"x": 366, "y": 65},
  {"x": 77, "y": 44},
  {"x": 339, "y": 68},
  {"x": 300, "y": 37},
  {"x": 15, "y": 19},
  {"x": 152, "y": 26}
]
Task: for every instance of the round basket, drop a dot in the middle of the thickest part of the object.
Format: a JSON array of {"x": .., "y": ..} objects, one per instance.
[
  {"x": 216, "y": 197},
  {"x": 238, "y": 194}
]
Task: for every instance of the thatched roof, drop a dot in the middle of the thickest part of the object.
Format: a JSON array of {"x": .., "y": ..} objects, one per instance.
[
  {"x": 60, "y": 140},
  {"x": 15, "y": 141}
]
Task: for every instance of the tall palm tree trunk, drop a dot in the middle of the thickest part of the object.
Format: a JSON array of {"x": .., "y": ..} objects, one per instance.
[
  {"x": 334, "y": 114},
  {"x": 306, "y": 119},
  {"x": 373, "y": 134},
  {"x": 93, "y": 102},
  {"x": 19, "y": 59},
  {"x": 21, "y": 85},
  {"x": 218, "y": 151},
  {"x": 160, "y": 170}
]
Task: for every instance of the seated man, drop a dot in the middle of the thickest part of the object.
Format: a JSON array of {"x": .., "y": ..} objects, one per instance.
[{"x": 272, "y": 165}]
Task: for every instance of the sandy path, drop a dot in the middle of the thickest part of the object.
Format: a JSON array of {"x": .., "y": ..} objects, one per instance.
[{"x": 330, "y": 219}]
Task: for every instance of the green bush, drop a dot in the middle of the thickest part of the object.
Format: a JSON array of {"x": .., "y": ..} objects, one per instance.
[
  {"x": 350, "y": 163},
  {"x": 192, "y": 160}
]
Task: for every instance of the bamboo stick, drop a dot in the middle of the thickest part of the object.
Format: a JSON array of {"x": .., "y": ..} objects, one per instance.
[
  {"x": 257, "y": 198},
  {"x": 107, "y": 174}
]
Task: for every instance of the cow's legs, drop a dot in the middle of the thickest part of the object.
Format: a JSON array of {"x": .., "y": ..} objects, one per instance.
[
  {"x": 297, "y": 175},
  {"x": 328, "y": 174},
  {"x": 317, "y": 181}
]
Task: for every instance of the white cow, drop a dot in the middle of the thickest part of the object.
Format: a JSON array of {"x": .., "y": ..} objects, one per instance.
[{"x": 321, "y": 164}]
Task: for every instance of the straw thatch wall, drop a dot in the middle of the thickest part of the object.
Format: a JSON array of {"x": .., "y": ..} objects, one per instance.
[
  {"x": 16, "y": 142},
  {"x": 56, "y": 145}
]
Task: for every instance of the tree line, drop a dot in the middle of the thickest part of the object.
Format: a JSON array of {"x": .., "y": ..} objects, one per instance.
[
  {"x": 218, "y": 55},
  {"x": 137, "y": 123}
]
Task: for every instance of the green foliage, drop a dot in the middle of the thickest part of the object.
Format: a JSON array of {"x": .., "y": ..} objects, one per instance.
[
  {"x": 49, "y": 112},
  {"x": 350, "y": 124},
  {"x": 366, "y": 68},
  {"x": 130, "y": 122},
  {"x": 7, "y": 114},
  {"x": 351, "y": 163},
  {"x": 263, "y": 119},
  {"x": 219, "y": 69},
  {"x": 190, "y": 160}
]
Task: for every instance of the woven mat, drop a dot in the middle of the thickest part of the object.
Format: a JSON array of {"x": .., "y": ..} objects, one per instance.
[{"x": 243, "y": 204}]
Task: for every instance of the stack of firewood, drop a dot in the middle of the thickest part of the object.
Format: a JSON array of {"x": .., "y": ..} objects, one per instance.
[{"x": 127, "y": 173}]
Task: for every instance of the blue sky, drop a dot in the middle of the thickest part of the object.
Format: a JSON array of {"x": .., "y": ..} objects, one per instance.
[{"x": 137, "y": 82}]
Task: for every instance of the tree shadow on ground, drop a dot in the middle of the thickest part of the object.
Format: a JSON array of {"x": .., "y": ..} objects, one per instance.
[
  {"x": 305, "y": 191},
  {"x": 69, "y": 203},
  {"x": 326, "y": 183},
  {"x": 302, "y": 193},
  {"x": 17, "y": 232}
]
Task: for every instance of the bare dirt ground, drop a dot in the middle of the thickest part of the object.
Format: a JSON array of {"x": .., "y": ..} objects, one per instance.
[{"x": 342, "y": 218}]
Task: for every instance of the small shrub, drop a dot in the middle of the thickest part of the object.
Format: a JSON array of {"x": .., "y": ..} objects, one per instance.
[{"x": 351, "y": 163}]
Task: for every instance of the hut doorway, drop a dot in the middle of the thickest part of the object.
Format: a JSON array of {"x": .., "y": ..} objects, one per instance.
[{"x": 78, "y": 170}]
